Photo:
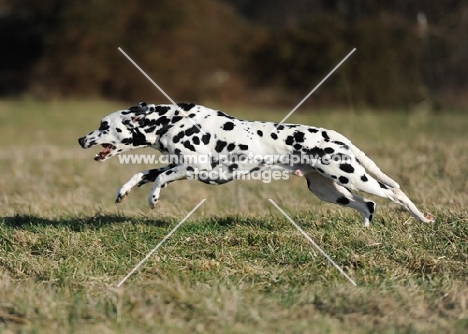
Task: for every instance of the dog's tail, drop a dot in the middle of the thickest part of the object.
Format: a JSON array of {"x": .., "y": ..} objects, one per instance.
[{"x": 368, "y": 164}]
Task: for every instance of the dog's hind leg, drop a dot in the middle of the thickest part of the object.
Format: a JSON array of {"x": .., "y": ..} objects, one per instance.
[
  {"x": 330, "y": 191},
  {"x": 138, "y": 180},
  {"x": 370, "y": 185},
  {"x": 399, "y": 197}
]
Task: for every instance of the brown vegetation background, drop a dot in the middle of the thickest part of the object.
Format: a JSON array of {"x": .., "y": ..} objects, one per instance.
[{"x": 238, "y": 51}]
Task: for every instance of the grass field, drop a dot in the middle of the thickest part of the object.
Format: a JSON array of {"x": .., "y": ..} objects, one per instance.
[{"x": 236, "y": 265}]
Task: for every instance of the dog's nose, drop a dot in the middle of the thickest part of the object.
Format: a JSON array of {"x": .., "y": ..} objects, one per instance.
[{"x": 81, "y": 141}]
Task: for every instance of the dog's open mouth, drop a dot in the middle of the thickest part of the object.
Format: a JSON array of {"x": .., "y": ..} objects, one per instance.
[{"x": 104, "y": 153}]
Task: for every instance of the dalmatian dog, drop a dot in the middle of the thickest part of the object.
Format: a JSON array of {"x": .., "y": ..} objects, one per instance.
[{"x": 332, "y": 166}]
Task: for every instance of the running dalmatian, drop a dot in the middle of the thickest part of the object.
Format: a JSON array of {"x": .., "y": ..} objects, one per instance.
[{"x": 336, "y": 167}]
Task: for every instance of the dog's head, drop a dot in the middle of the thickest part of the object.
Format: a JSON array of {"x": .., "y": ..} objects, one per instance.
[{"x": 119, "y": 132}]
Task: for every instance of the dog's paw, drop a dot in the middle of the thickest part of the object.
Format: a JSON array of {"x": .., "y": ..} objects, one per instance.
[
  {"x": 122, "y": 194},
  {"x": 429, "y": 217},
  {"x": 152, "y": 201},
  {"x": 120, "y": 197}
]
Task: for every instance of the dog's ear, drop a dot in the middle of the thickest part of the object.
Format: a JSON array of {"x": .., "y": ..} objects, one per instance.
[
  {"x": 136, "y": 116},
  {"x": 141, "y": 108}
]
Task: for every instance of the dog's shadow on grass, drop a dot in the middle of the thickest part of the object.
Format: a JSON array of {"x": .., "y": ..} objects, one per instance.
[
  {"x": 77, "y": 223},
  {"x": 98, "y": 221}
]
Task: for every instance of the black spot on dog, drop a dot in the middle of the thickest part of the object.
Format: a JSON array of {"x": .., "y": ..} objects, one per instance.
[
  {"x": 315, "y": 152},
  {"x": 299, "y": 136},
  {"x": 206, "y": 138},
  {"x": 343, "y": 180},
  {"x": 178, "y": 137},
  {"x": 231, "y": 147},
  {"x": 255, "y": 169},
  {"x": 104, "y": 126},
  {"x": 150, "y": 129},
  {"x": 228, "y": 126},
  {"x": 338, "y": 143},
  {"x": 221, "y": 114},
  {"x": 126, "y": 141},
  {"x": 328, "y": 150},
  {"x": 320, "y": 170},
  {"x": 214, "y": 162},
  {"x": 162, "y": 110},
  {"x": 297, "y": 146},
  {"x": 260, "y": 133},
  {"x": 370, "y": 217},
  {"x": 325, "y": 136},
  {"x": 192, "y": 130},
  {"x": 243, "y": 147},
  {"x": 383, "y": 186},
  {"x": 186, "y": 106},
  {"x": 138, "y": 138},
  {"x": 196, "y": 140},
  {"x": 169, "y": 172},
  {"x": 289, "y": 140},
  {"x": 151, "y": 122},
  {"x": 274, "y": 135},
  {"x": 233, "y": 167},
  {"x": 190, "y": 169},
  {"x": 371, "y": 206},
  {"x": 163, "y": 120},
  {"x": 177, "y": 152},
  {"x": 364, "y": 178},
  {"x": 347, "y": 168},
  {"x": 220, "y": 145},
  {"x": 163, "y": 130},
  {"x": 342, "y": 200},
  {"x": 175, "y": 119},
  {"x": 118, "y": 130},
  {"x": 279, "y": 128}
]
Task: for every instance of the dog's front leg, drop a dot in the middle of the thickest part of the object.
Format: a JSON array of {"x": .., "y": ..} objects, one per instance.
[
  {"x": 173, "y": 174},
  {"x": 140, "y": 179}
]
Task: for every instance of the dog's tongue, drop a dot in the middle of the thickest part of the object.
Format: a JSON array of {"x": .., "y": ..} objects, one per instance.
[{"x": 101, "y": 155}]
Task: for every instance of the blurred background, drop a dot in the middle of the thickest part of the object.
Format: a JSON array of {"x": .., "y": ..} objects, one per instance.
[{"x": 268, "y": 53}]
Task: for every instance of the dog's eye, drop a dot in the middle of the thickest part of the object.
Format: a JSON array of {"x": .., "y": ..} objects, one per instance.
[{"x": 104, "y": 126}]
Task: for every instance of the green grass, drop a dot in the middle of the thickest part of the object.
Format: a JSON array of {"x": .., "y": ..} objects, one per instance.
[{"x": 237, "y": 265}]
